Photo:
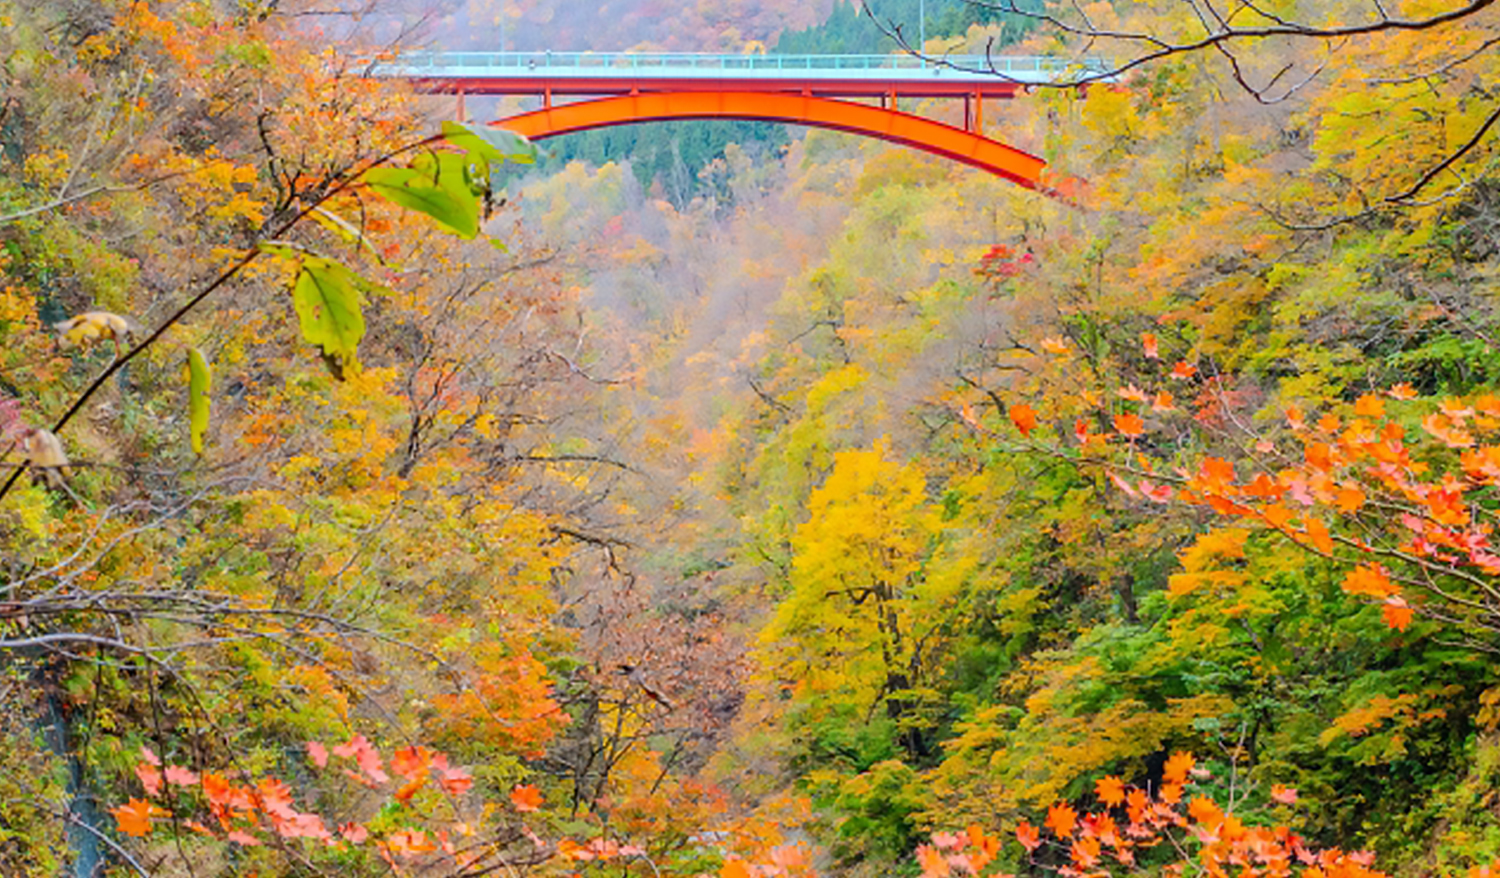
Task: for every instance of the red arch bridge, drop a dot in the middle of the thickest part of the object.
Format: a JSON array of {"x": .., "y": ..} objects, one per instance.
[{"x": 823, "y": 91}]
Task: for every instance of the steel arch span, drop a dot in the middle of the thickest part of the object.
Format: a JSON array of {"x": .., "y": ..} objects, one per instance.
[{"x": 871, "y": 121}]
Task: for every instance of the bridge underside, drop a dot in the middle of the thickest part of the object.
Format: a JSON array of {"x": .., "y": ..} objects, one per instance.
[{"x": 882, "y": 123}]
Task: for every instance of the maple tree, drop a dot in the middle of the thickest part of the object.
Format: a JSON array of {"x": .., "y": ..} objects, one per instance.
[{"x": 1171, "y": 829}]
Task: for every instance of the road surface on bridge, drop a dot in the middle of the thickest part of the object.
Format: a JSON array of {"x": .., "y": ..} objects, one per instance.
[{"x": 615, "y": 73}]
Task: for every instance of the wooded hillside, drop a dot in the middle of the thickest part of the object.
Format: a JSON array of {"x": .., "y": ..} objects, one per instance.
[{"x": 377, "y": 499}]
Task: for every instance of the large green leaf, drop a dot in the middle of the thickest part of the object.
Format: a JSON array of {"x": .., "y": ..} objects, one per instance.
[
  {"x": 327, "y": 297},
  {"x": 200, "y": 382},
  {"x": 495, "y": 145},
  {"x": 431, "y": 191},
  {"x": 465, "y": 174}
]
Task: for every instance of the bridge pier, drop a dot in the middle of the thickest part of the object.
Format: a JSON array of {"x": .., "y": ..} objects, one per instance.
[{"x": 974, "y": 113}]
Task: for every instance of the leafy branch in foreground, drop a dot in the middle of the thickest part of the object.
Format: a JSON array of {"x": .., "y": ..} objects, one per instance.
[
  {"x": 451, "y": 187},
  {"x": 415, "y": 815}
]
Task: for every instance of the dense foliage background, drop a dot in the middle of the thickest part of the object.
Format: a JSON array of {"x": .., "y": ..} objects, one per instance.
[{"x": 787, "y": 505}]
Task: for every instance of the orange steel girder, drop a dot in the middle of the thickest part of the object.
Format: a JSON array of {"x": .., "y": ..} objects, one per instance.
[{"x": 885, "y": 124}]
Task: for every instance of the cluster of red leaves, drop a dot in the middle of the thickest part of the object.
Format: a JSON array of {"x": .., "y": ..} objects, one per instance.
[
  {"x": 599, "y": 849},
  {"x": 1001, "y": 262},
  {"x": 250, "y": 814},
  {"x": 781, "y": 861},
  {"x": 11, "y": 425},
  {"x": 1132, "y": 820}
]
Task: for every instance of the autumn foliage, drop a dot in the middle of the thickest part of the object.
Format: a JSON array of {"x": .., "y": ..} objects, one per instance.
[
  {"x": 380, "y": 495},
  {"x": 1173, "y": 828},
  {"x": 419, "y": 817}
]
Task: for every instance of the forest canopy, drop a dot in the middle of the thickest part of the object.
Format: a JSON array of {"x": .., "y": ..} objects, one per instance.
[{"x": 384, "y": 495}]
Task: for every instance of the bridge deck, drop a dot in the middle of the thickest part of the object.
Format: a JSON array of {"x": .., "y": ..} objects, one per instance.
[{"x": 610, "y": 73}]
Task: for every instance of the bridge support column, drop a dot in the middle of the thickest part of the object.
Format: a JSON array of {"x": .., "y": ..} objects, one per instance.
[
  {"x": 978, "y": 113},
  {"x": 460, "y": 109}
]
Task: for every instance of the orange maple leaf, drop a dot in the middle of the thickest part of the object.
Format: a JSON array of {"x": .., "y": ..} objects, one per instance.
[
  {"x": 1369, "y": 406},
  {"x": 1205, "y": 811},
  {"x": 984, "y": 847},
  {"x": 1283, "y": 794},
  {"x": 1454, "y": 408},
  {"x": 1319, "y": 537},
  {"x": 1085, "y": 852},
  {"x": 1023, "y": 417},
  {"x": 1349, "y": 499},
  {"x": 1397, "y": 612},
  {"x": 1402, "y": 391},
  {"x": 1111, "y": 790},
  {"x": 1369, "y": 580},
  {"x": 1028, "y": 835},
  {"x": 1148, "y": 344},
  {"x": 526, "y": 798},
  {"x": 932, "y": 861},
  {"x": 408, "y": 762},
  {"x": 1176, "y": 770},
  {"x": 1184, "y": 370},
  {"x": 1277, "y": 516},
  {"x": 409, "y": 842},
  {"x": 738, "y": 869},
  {"x": 1061, "y": 819},
  {"x": 1130, "y": 425},
  {"x": 409, "y": 789},
  {"x": 134, "y": 817}
]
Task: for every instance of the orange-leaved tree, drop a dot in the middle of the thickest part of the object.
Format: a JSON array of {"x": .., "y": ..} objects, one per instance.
[
  {"x": 1170, "y": 829},
  {"x": 414, "y": 810}
]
